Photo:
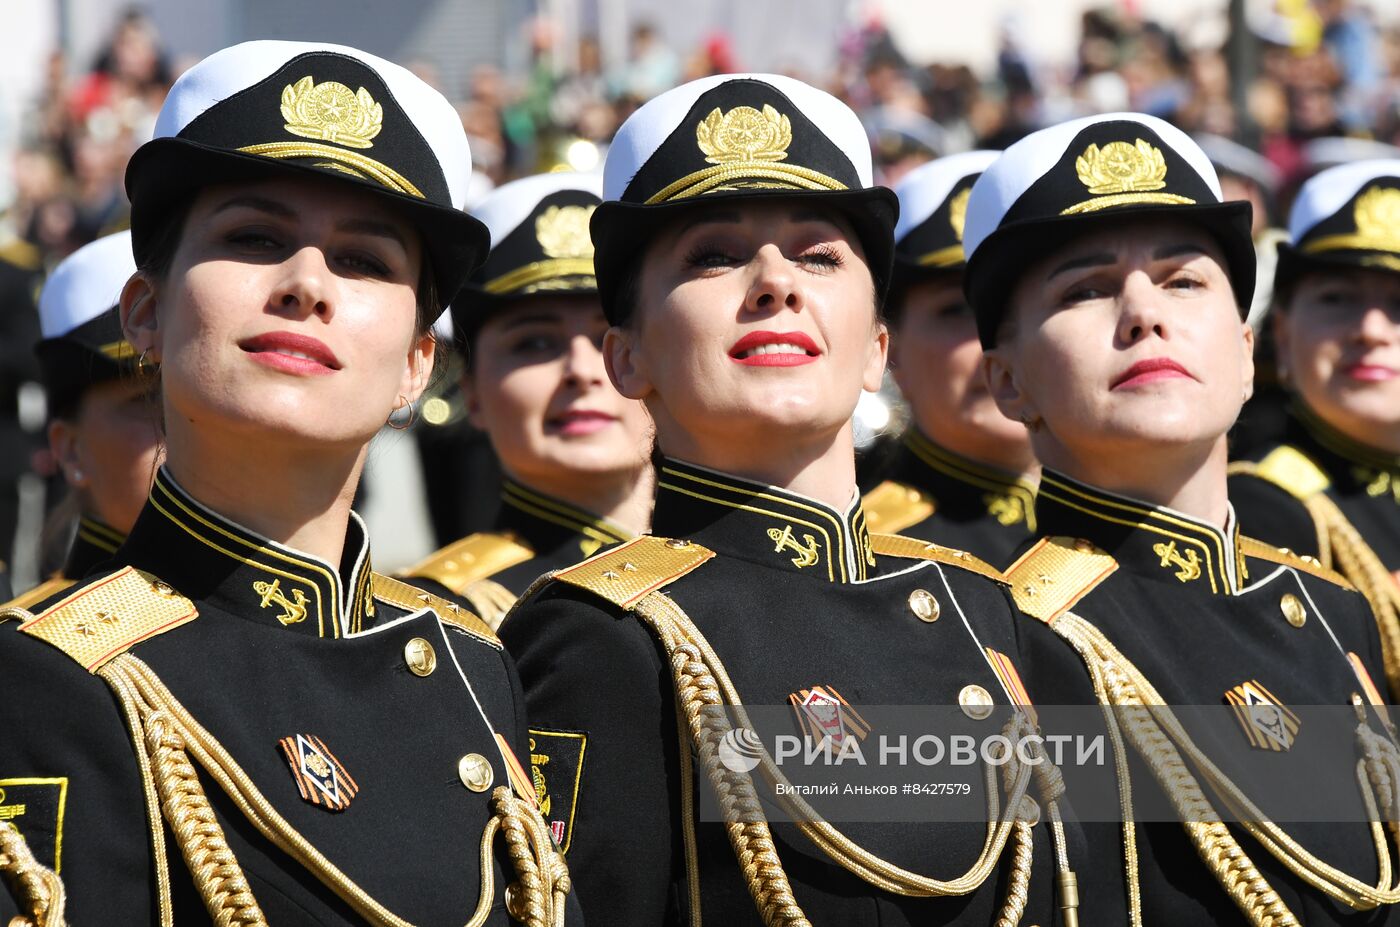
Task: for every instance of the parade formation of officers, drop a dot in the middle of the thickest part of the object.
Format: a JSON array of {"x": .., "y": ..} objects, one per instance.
[{"x": 219, "y": 710}]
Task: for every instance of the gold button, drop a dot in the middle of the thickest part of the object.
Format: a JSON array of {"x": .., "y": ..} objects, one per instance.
[
  {"x": 1083, "y": 546},
  {"x": 923, "y": 604},
  {"x": 1293, "y": 610},
  {"x": 420, "y": 657},
  {"x": 976, "y": 702},
  {"x": 162, "y": 588},
  {"x": 475, "y": 772},
  {"x": 1030, "y": 810},
  {"x": 677, "y": 544}
]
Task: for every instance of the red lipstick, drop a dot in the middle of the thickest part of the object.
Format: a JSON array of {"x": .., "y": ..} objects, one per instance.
[
  {"x": 1150, "y": 371},
  {"x": 774, "y": 349},
  {"x": 291, "y": 353}
]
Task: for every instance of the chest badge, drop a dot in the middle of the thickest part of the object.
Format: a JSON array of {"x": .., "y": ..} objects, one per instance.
[
  {"x": 1188, "y": 567},
  {"x": 1268, "y": 723},
  {"x": 319, "y": 776},
  {"x": 823, "y": 713},
  {"x": 806, "y": 551}
]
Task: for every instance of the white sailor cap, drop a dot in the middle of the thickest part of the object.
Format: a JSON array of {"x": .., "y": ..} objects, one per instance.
[
  {"x": 1060, "y": 181},
  {"x": 933, "y": 209},
  {"x": 83, "y": 342},
  {"x": 730, "y": 136},
  {"x": 1346, "y": 216},
  {"x": 539, "y": 244},
  {"x": 269, "y": 107}
]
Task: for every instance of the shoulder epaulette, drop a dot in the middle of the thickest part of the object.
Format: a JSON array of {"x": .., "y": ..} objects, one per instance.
[
  {"x": 891, "y": 507},
  {"x": 626, "y": 574},
  {"x": 110, "y": 615},
  {"x": 1055, "y": 574},
  {"x": 1265, "y": 551},
  {"x": 474, "y": 557},
  {"x": 402, "y": 595},
  {"x": 896, "y": 545},
  {"x": 1290, "y": 469},
  {"x": 21, "y": 254},
  {"x": 45, "y": 590}
]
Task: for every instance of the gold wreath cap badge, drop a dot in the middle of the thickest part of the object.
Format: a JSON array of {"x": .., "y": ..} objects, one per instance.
[
  {"x": 1123, "y": 174},
  {"x": 562, "y": 231},
  {"x": 957, "y": 211},
  {"x": 331, "y": 112},
  {"x": 1377, "y": 217},
  {"x": 744, "y": 134}
]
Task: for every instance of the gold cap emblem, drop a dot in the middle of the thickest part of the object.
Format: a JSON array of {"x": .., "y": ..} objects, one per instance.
[
  {"x": 957, "y": 211},
  {"x": 331, "y": 112},
  {"x": 1377, "y": 216},
  {"x": 744, "y": 134},
  {"x": 562, "y": 231},
  {"x": 1119, "y": 167}
]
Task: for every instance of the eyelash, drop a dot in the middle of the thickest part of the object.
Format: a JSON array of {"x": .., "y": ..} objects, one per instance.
[
  {"x": 359, "y": 262},
  {"x": 707, "y": 256}
]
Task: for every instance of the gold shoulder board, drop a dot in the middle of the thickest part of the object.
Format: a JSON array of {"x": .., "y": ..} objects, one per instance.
[
  {"x": 1055, "y": 574},
  {"x": 47, "y": 589},
  {"x": 896, "y": 545},
  {"x": 474, "y": 557},
  {"x": 1290, "y": 469},
  {"x": 402, "y": 595},
  {"x": 21, "y": 253},
  {"x": 1263, "y": 551},
  {"x": 109, "y": 616},
  {"x": 626, "y": 574},
  {"x": 891, "y": 507}
]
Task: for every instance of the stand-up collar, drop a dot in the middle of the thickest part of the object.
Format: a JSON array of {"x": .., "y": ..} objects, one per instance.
[
  {"x": 1158, "y": 542},
  {"x": 964, "y": 487},
  {"x": 546, "y": 523},
  {"x": 212, "y": 559},
  {"x": 1353, "y": 466},
  {"x": 763, "y": 524},
  {"x": 94, "y": 543}
]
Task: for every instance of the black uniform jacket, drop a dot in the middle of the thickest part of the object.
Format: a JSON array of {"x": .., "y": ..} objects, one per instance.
[
  {"x": 352, "y": 705},
  {"x": 794, "y": 602},
  {"x": 1211, "y": 619},
  {"x": 93, "y": 545},
  {"x": 1362, "y": 481},
  {"x": 932, "y": 494},
  {"x": 534, "y": 534}
]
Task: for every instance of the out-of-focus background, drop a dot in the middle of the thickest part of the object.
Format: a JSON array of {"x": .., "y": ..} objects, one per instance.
[{"x": 1297, "y": 85}]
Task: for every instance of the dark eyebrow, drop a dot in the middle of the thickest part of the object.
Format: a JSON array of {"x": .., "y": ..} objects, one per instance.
[
  {"x": 1103, "y": 259},
  {"x": 531, "y": 318},
  {"x": 260, "y": 203},
  {"x": 1171, "y": 251},
  {"x": 371, "y": 227}
]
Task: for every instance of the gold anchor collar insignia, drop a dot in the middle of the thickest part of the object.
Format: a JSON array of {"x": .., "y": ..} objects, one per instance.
[
  {"x": 1123, "y": 173},
  {"x": 1153, "y": 540},
  {"x": 953, "y": 479},
  {"x": 188, "y": 544},
  {"x": 764, "y": 524}
]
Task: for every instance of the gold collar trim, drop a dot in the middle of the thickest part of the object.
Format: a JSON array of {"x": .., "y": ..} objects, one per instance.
[{"x": 1016, "y": 492}]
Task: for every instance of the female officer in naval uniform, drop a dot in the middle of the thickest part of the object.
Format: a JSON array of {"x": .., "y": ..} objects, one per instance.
[
  {"x": 963, "y": 475},
  {"x": 576, "y": 455},
  {"x": 1109, "y": 282},
  {"x": 101, "y": 431},
  {"x": 741, "y": 253},
  {"x": 1331, "y": 489},
  {"x": 326, "y": 745}
]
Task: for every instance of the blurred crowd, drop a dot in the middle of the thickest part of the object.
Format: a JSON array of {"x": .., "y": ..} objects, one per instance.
[{"x": 1274, "y": 100}]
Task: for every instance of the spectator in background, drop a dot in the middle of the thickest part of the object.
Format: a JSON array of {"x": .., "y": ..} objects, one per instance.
[{"x": 652, "y": 67}]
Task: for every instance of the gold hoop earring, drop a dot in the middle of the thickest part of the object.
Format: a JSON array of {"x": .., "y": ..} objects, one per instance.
[
  {"x": 144, "y": 366},
  {"x": 412, "y": 415}
]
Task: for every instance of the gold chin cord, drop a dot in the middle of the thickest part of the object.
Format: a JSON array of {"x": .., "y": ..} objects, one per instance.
[
  {"x": 169, "y": 742},
  {"x": 1159, "y": 738},
  {"x": 37, "y": 889},
  {"x": 1344, "y": 549},
  {"x": 702, "y": 686}
]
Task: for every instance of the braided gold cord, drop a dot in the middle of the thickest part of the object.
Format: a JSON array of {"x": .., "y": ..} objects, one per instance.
[
  {"x": 1347, "y": 552},
  {"x": 174, "y": 737},
  {"x": 490, "y": 600},
  {"x": 37, "y": 889},
  {"x": 1018, "y": 889},
  {"x": 217, "y": 876},
  {"x": 701, "y": 684}
]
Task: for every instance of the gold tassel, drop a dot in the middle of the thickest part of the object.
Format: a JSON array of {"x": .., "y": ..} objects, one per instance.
[{"x": 36, "y": 888}]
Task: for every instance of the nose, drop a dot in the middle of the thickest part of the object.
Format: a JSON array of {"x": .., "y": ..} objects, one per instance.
[
  {"x": 774, "y": 283},
  {"x": 305, "y": 285},
  {"x": 1141, "y": 311},
  {"x": 583, "y": 363},
  {"x": 1379, "y": 325}
]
